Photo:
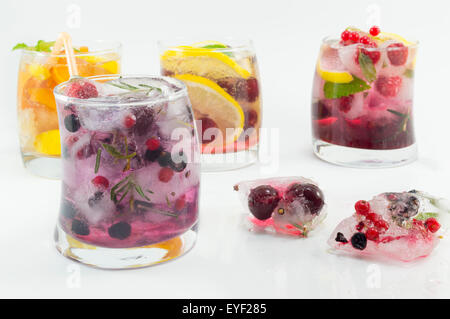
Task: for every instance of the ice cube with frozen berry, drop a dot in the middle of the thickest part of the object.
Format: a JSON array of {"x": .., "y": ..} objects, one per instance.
[
  {"x": 287, "y": 205},
  {"x": 402, "y": 226}
]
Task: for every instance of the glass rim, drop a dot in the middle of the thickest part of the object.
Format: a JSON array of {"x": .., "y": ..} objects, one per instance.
[
  {"x": 183, "y": 44},
  {"x": 99, "y": 102},
  {"x": 113, "y": 47},
  {"x": 411, "y": 44}
]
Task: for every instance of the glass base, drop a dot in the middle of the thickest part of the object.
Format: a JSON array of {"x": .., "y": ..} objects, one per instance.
[
  {"x": 228, "y": 161},
  {"x": 364, "y": 158},
  {"x": 124, "y": 258},
  {"x": 48, "y": 167}
]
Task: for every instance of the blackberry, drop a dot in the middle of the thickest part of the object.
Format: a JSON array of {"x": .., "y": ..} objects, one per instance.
[
  {"x": 341, "y": 238},
  {"x": 79, "y": 227},
  {"x": 120, "y": 230},
  {"x": 359, "y": 241}
]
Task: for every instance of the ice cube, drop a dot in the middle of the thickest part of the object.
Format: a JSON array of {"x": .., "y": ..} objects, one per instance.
[
  {"x": 287, "y": 205},
  {"x": 401, "y": 226}
]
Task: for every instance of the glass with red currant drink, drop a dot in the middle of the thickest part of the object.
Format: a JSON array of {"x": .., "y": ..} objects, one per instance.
[
  {"x": 223, "y": 85},
  {"x": 362, "y": 99},
  {"x": 130, "y": 181}
]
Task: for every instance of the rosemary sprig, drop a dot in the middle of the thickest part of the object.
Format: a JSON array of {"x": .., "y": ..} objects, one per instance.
[
  {"x": 97, "y": 160},
  {"x": 150, "y": 87},
  {"x": 116, "y": 154}
]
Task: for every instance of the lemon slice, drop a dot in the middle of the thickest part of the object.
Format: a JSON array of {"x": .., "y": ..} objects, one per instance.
[
  {"x": 210, "y": 100},
  {"x": 203, "y": 62},
  {"x": 48, "y": 143},
  {"x": 384, "y": 36},
  {"x": 331, "y": 69}
]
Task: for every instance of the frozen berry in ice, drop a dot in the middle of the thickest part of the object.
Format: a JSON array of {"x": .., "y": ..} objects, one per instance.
[
  {"x": 388, "y": 86},
  {"x": 251, "y": 90},
  {"x": 164, "y": 159},
  {"x": 372, "y": 234},
  {"x": 381, "y": 224},
  {"x": 308, "y": 194},
  {"x": 262, "y": 200},
  {"x": 341, "y": 238},
  {"x": 152, "y": 156},
  {"x": 165, "y": 174},
  {"x": 100, "y": 182},
  {"x": 432, "y": 224},
  {"x": 144, "y": 120},
  {"x": 93, "y": 200},
  {"x": 67, "y": 209},
  {"x": 180, "y": 203},
  {"x": 120, "y": 230},
  {"x": 129, "y": 121},
  {"x": 251, "y": 118},
  {"x": 360, "y": 226},
  {"x": 82, "y": 90},
  {"x": 374, "y": 31},
  {"x": 153, "y": 143},
  {"x": 369, "y": 50},
  {"x": 345, "y": 103},
  {"x": 373, "y": 217},
  {"x": 72, "y": 123},
  {"x": 85, "y": 152},
  {"x": 359, "y": 241},
  {"x": 179, "y": 163},
  {"x": 79, "y": 227},
  {"x": 397, "y": 54},
  {"x": 320, "y": 110},
  {"x": 210, "y": 135},
  {"x": 362, "y": 207}
]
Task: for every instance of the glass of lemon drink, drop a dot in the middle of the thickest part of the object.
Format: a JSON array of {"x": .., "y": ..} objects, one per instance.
[
  {"x": 41, "y": 69},
  {"x": 223, "y": 83}
]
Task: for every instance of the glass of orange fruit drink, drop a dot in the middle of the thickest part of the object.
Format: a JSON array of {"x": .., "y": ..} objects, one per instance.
[
  {"x": 40, "y": 71},
  {"x": 222, "y": 79}
]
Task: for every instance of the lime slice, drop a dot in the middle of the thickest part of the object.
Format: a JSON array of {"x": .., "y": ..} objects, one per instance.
[
  {"x": 202, "y": 62},
  {"x": 211, "y": 101},
  {"x": 48, "y": 143}
]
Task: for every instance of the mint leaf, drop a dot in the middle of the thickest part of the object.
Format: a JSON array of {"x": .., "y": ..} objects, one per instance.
[
  {"x": 20, "y": 46},
  {"x": 338, "y": 90},
  {"x": 41, "y": 46},
  {"x": 367, "y": 67},
  {"x": 409, "y": 73},
  {"x": 425, "y": 216}
]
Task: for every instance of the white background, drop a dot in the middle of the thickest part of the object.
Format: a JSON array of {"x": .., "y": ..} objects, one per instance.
[{"x": 229, "y": 261}]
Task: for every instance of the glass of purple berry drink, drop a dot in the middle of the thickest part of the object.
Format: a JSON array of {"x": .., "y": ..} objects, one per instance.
[
  {"x": 362, "y": 99},
  {"x": 223, "y": 84},
  {"x": 130, "y": 182}
]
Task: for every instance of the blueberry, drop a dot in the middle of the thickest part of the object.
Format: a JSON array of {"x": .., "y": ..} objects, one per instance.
[
  {"x": 93, "y": 200},
  {"x": 79, "y": 227},
  {"x": 262, "y": 200},
  {"x": 72, "y": 123},
  {"x": 341, "y": 238},
  {"x": 359, "y": 241},
  {"x": 152, "y": 156},
  {"x": 308, "y": 194},
  {"x": 165, "y": 159},
  {"x": 67, "y": 209},
  {"x": 120, "y": 230}
]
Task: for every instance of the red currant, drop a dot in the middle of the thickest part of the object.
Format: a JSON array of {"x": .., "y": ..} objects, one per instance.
[
  {"x": 362, "y": 207},
  {"x": 373, "y": 217},
  {"x": 432, "y": 225},
  {"x": 374, "y": 31},
  {"x": 364, "y": 40},
  {"x": 165, "y": 174},
  {"x": 354, "y": 36},
  {"x": 153, "y": 143},
  {"x": 345, "y": 36},
  {"x": 129, "y": 121},
  {"x": 360, "y": 226},
  {"x": 372, "y": 234},
  {"x": 100, "y": 182},
  {"x": 381, "y": 224}
]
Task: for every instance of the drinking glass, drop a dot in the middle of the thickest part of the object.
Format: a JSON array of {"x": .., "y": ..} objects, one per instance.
[
  {"x": 362, "y": 103},
  {"x": 130, "y": 172},
  {"x": 39, "y": 73},
  {"x": 224, "y": 89}
]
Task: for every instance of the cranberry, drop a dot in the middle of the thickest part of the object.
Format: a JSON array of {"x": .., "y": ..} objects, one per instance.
[
  {"x": 82, "y": 90},
  {"x": 388, "y": 86},
  {"x": 354, "y": 36},
  {"x": 345, "y": 103},
  {"x": 374, "y": 31},
  {"x": 397, "y": 54},
  {"x": 180, "y": 203},
  {"x": 362, "y": 207},
  {"x": 207, "y": 123},
  {"x": 129, "y": 121},
  {"x": 165, "y": 174},
  {"x": 372, "y": 234},
  {"x": 262, "y": 200},
  {"x": 100, "y": 182},
  {"x": 345, "y": 36},
  {"x": 153, "y": 143},
  {"x": 308, "y": 194},
  {"x": 432, "y": 225}
]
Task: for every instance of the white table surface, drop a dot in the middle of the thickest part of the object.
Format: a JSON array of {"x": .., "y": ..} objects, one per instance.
[{"x": 228, "y": 260}]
